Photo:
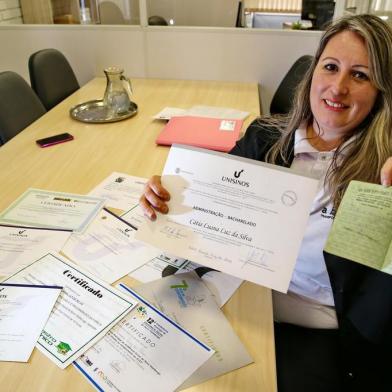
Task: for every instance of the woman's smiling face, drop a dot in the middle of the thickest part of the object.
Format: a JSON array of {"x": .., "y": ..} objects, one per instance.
[{"x": 341, "y": 94}]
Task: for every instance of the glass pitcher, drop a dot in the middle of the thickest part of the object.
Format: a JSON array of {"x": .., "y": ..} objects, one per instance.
[{"x": 118, "y": 91}]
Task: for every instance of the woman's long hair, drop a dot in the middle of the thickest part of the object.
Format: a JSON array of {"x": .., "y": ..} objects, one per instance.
[{"x": 364, "y": 157}]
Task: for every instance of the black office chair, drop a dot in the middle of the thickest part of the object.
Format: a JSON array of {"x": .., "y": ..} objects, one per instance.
[
  {"x": 19, "y": 105},
  {"x": 156, "y": 20},
  {"x": 51, "y": 76},
  {"x": 282, "y": 100}
]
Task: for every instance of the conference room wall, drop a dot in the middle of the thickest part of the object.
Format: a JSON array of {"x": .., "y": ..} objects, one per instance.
[{"x": 164, "y": 52}]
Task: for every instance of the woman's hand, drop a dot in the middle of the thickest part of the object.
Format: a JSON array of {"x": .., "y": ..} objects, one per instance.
[
  {"x": 154, "y": 198},
  {"x": 386, "y": 173}
]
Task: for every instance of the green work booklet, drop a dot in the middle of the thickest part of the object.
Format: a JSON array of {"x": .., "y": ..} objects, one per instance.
[{"x": 362, "y": 230}]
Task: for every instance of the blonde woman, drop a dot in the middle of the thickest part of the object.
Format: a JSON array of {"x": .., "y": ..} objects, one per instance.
[{"x": 333, "y": 329}]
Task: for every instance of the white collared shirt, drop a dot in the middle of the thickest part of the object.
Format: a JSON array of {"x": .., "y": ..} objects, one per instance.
[{"x": 310, "y": 278}]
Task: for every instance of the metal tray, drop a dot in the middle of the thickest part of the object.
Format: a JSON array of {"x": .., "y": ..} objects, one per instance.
[{"x": 95, "y": 112}]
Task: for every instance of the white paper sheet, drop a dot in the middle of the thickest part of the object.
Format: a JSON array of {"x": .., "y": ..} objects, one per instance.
[
  {"x": 108, "y": 248},
  {"x": 154, "y": 268},
  {"x": 84, "y": 312},
  {"x": 185, "y": 299},
  {"x": 120, "y": 190},
  {"x": 145, "y": 352},
  {"x": 232, "y": 214},
  {"x": 216, "y": 112},
  {"x": 24, "y": 310},
  {"x": 20, "y": 246}
]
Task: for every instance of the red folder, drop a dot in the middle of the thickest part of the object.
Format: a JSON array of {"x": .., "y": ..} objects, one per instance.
[{"x": 211, "y": 133}]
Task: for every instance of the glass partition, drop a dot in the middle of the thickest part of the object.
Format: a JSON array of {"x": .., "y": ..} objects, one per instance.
[{"x": 216, "y": 13}]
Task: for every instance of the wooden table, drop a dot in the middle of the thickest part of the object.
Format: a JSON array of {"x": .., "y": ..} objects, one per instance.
[{"x": 129, "y": 147}]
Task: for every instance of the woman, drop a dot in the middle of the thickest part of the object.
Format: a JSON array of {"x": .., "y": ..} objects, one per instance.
[{"x": 334, "y": 327}]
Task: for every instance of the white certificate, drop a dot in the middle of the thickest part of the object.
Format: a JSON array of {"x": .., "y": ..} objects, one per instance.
[
  {"x": 221, "y": 285},
  {"x": 108, "y": 248},
  {"x": 120, "y": 191},
  {"x": 186, "y": 299},
  {"x": 84, "y": 312},
  {"x": 145, "y": 352},
  {"x": 235, "y": 215},
  {"x": 24, "y": 310},
  {"x": 20, "y": 246},
  {"x": 153, "y": 270},
  {"x": 57, "y": 210}
]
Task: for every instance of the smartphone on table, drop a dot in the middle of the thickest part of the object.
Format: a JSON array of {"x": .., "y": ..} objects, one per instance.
[{"x": 55, "y": 139}]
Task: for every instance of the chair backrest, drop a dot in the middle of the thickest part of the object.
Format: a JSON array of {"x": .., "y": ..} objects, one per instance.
[
  {"x": 51, "y": 76},
  {"x": 19, "y": 105},
  {"x": 157, "y": 20},
  {"x": 282, "y": 100}
]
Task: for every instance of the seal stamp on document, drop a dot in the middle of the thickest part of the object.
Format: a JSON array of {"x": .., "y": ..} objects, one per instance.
[{"x": 289, "y": 198}]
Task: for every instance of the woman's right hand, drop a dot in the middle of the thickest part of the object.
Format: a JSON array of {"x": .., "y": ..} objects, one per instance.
[{"x": 154, "y": 198}]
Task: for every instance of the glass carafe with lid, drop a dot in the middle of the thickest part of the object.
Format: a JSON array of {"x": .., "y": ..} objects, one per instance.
[{"x": 118, "y": 91}]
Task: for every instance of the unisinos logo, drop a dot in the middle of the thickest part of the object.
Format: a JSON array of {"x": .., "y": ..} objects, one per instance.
[
  {"x": 235, "y": 179},
  {"x": 237, "y": 174}
]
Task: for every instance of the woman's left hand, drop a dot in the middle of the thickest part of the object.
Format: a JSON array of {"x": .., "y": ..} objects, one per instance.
[{"x": 386, "y": 173}]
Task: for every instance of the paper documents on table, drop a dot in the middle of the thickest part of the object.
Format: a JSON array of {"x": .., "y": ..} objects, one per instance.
[
  {"x": 145, "y": 352},
  {"x": 362, "y": 229},
  {"x": 186, "y": 299},
  {"x": 120, "y": 191},
  {"x": 202, "y": 111},
  {"x": 108, "y": 248},
  {"x": 20, "y": 246},
  {"x": 84, "y": 312},
  {"x": 232, "y": 214},
  {"x": 58, "y": 210},
  {"x": 217, "y": 112},
  {"x": 153, "y": 270},
  {"x": 24, "y": 310},
  {"x": 221, "y": 285}
]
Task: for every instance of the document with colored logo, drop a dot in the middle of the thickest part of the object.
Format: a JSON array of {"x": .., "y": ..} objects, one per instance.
[
  {"x": 108, "y": 249},
  {"x": 20, "y": 246},
  {"x": 362, "y": 229},
  {"x": 120, "y": 191},
  {"x": 146, "y": 351},
  {"x": 86, "y": 309},
  {"x": 221, "y": 285},
  {"x": 56, "y": 210},
  {"x": 24, "y": 310},
  {"x": 233, "y": 214},
  {"x": 186, "y": 299}
]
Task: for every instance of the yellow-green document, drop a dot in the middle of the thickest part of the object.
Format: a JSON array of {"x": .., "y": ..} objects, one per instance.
[{"x": 362, "y": 230}]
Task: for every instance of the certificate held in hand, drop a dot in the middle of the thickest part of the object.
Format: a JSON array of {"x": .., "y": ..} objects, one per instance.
[
  {"x": 232, "y": 214},
  {"x": 211, "y": 133}
]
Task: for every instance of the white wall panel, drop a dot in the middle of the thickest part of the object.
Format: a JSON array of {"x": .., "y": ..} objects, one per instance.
[{"x": 257, "y": 55}]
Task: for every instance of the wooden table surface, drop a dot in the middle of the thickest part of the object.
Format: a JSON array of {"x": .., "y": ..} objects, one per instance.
[{"x": 129, "y": 146}]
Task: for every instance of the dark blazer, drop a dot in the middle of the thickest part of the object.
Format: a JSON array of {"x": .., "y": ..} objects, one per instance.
[{"x": 363, "y": 299}]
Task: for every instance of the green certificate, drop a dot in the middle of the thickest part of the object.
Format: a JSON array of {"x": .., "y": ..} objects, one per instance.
[{"x": 362, "y": 230}]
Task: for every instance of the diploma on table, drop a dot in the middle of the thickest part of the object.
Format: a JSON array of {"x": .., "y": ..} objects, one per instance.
[
  {"x": 24, "y": 310},
  {"x": 120, "y": 191},
  {"x": 145, "y": 352},
  {"x": 84, "y": 312},
  {"x": 20, "y": 246},
  {"x": 40, "y": 208},
  {"x": 108, "y": 249},
  {"x": 236, "y": 215},
  {"x": 187, "y": 300}
]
